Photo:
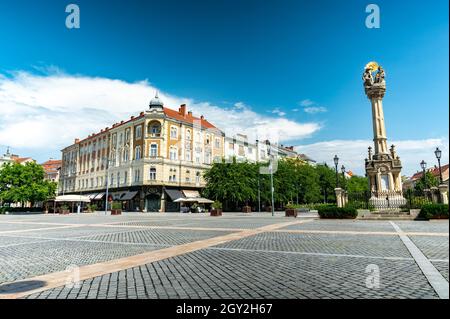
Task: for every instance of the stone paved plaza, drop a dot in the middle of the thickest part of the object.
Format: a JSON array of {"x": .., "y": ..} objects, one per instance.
[{"x": 233, "y": 256}]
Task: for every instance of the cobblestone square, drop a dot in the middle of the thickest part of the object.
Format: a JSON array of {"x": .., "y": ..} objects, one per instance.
[{"x": 233, "y": 256}]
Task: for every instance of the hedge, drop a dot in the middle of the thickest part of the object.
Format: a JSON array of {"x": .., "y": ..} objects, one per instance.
[
  {"x": 21, "y": 209},
  {"x": 337, "y": 212},
  {"x": 434, "y": 211}
]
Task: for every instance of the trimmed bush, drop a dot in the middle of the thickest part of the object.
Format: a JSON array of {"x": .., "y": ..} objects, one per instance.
[
  {"x": 321, "y": 206},
  {"x": 116, "y": 205},
  {"x": 337, "y": 212},
  {"x": 434, "y": 211}
]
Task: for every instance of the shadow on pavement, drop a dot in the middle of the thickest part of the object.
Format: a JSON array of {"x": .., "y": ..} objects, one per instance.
[{"x": 21, "y": 286}]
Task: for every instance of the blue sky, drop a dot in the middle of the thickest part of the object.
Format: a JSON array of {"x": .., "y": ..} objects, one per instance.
[{"x": 259, "y": 57}]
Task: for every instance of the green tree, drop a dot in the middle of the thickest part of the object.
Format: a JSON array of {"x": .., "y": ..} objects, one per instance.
[
  {"x": 231, "y": 183},
  {"x": 24, "y": 183},
  {"x": 327, "y": 183},
  {"x": 357, "y": 184},
  {"x": 431, "y": 181}
]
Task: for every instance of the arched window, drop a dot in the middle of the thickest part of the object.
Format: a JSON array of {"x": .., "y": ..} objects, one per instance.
[
  {"x": 154, "y": 128},
  {"x": 188, "y": 135},
  {"x": 138, "y": 132},
  {"x": 154, "y": 150},
  {"x": 197, "y": 177},
  {"x": 137, "y": 153}
]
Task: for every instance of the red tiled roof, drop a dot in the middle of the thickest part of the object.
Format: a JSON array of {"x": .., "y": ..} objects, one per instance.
[
  {"x": 187, "y": 118},
  {"x": 51, "y": 165},
  {"x": 434, "y": 171},
  {"x": 21, "y": 159}
]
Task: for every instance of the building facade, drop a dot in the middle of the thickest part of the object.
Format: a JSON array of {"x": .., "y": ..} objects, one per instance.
[{"x": 146, "y": 162}]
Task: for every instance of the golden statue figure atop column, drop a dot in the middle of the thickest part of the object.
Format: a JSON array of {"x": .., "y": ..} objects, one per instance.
[{"x": 383, "y": 166}]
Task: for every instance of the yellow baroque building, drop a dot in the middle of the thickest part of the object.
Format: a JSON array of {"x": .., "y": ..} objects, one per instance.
[{"x": 147, "y": 162}]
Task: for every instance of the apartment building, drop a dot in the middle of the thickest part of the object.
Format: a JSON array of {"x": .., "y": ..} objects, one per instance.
[{"x": 146, "y": 162}]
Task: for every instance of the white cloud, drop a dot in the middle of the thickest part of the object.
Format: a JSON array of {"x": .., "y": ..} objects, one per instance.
[
  {"x": 278, "y": 112},
  {"x": 353, "y": 152},
  {"x": 306, "y": 103},
  {"x": 46, "y": 112},
  {"x": 315, "y": 109}
]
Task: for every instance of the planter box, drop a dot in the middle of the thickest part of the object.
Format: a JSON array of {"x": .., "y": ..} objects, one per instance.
[
  {"x": 216, "y": 212},
  {"x": 291, "y": 213},
  {"x": 269, "y": 209},
  {"x": 116, "y": 212},
  {"x": 246, "y": 209},
  {"x": 64, "y": 212}
]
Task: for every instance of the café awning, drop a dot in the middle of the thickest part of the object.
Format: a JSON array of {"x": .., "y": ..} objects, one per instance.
[
  {"x": 91, "y": 196},
  {"x": 191, "y": 193},
  {"x": 128, "y": 195},
  {"x": 99, "y": 196},
  {"x": 174, "y": 194},
  {"x": 72, "y": 198},
  {"x": 199, "y": 200}
]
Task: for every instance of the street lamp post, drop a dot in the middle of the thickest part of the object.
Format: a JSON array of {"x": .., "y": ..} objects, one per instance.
[
  {"x": 271, "y": 177},
  {"x": 107, "y": 184},
  {"x": 336, "y": 162},
  {"x": 423, "y": 164},
  {"x": 438, "y": 154},
  {"x": 259, "y": 194},
  {"x": 343, "y": 176}
]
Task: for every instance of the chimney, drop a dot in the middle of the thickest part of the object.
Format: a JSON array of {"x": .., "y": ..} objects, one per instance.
[
  {"x": 190, "y": 113},
  {"x": 132, "y": 117},
  {"x": 77, "y": 140},
  {"x": 141, "y": 114},
  {"x": 183, "y": 110},
  {"x": 202, "y": 117}
]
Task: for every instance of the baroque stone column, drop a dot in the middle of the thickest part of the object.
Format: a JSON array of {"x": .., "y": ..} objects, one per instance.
[
  {"x": 383, "y": 167},
  {"x": 339, "y": 197},
  {"x": 443, "y": 190}
]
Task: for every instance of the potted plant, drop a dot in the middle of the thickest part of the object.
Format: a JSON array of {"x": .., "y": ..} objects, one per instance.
[
  {"x": 291, "y": 210},
  {"x": 64, "y": 210},
  {"x": 194, "y": 208},
  {"x": 216, "y": 209},
  {"x": 116, "y": 208},
  {"x": 247, "y": 209},
  {"x": 91, "y": 208}
]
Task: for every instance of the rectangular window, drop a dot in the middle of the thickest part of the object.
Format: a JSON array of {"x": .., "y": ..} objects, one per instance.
[
  {"x": 188, "y": 156},
  {"x": 173, "y": 154},
  {"x": 153, "y": 174},
  {"x": 153, "y": 150},
  {"x": 173, "y": 133},
  {"x": 207, "y": 158},
  {"x": 125, "y": 178},
  {"x": 137, "y": 174},
  {"x": 241, "y": 150},
  {"x": 217, "y": 143}
]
